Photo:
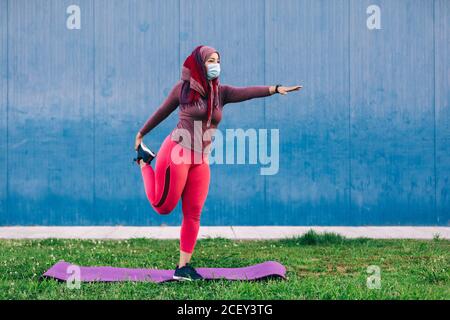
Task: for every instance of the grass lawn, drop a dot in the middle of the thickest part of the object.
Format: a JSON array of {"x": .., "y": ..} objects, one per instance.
[{"x": 318, "y": 267}]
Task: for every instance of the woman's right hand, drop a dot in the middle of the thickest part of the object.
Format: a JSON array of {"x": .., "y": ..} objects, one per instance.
[{"x": 138, "y": 140}]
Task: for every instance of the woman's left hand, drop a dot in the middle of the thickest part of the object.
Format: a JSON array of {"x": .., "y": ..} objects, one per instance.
[{"x": 284, "y": 90}]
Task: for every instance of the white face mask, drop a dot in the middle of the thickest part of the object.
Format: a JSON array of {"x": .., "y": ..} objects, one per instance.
[{"x": 213, "y": 70}]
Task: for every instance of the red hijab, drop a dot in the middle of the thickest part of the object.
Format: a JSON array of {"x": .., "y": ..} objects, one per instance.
[{"x": 196, "y": 84}]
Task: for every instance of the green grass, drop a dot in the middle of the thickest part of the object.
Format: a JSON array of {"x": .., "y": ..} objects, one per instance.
[{"x": 325, "y": 266}]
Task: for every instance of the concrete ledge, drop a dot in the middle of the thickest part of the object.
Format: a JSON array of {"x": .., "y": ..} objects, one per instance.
[{"x": 229, "y": 232}]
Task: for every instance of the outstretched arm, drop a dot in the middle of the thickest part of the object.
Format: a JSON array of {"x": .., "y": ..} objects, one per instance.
[
  {"x": 163, "y": 111},
  {"x": 233, "y": 94}
]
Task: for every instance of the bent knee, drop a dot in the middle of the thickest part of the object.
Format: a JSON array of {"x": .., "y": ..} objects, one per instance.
[{"x": 164, "y": 209}]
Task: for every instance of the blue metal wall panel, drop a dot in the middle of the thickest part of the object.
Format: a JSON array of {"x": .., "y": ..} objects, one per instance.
[
  {"x": 442, "y": 94},
  {"x": 365, "y": 142},
  {"x": 307, "y": 43},
  {"x": 50, "y": 158},
  {"x": 392, "y": 123},
  {"x": 3, "y": 105}
]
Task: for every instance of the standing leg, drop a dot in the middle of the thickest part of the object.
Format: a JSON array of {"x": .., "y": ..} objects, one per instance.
[
  {"x": 164, "y": 185},
  {"x": 193, "y": 198}
]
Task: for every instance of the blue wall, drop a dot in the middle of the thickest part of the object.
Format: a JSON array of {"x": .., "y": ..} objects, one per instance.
[{"x": 366, "y": 142}]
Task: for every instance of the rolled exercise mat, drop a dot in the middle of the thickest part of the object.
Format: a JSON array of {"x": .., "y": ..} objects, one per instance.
[{"x": 63, "y": 270}]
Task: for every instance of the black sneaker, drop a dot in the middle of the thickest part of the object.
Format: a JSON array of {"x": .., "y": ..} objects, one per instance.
[
  {"x": 144, "y": 153},
  {"x": 186, "y": 273}
]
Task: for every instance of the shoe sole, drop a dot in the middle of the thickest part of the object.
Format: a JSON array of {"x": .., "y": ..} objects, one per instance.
[
  {"x": 182, "y": 278},
  {"x": 146, "y": 149}
]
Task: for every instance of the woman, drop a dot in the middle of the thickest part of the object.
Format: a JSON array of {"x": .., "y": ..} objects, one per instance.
[{"x": 201, "y": 99}]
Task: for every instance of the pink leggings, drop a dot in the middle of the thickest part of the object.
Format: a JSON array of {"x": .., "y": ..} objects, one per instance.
[{"x": 176, "y": 177}]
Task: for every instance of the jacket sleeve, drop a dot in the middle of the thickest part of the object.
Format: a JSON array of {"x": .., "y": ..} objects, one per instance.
[
  {"x": 164, "y": 110},
  {"x": 231, "y": 94}
]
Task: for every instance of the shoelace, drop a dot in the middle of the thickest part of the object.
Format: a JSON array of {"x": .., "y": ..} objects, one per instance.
[{"x": 192, "y": 269}]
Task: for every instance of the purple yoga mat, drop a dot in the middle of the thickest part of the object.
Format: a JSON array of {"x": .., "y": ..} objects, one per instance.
[{"x": 61, "y": 271}]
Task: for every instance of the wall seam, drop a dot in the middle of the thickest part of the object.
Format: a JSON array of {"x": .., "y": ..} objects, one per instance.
[
  {"x": 436, "y": 211},
  {"x": 349, "y": 113},
  {"x": 264, "y": 100},
  {"x": 94, "y": 128},
  {"x": 7, "y": 107}
]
